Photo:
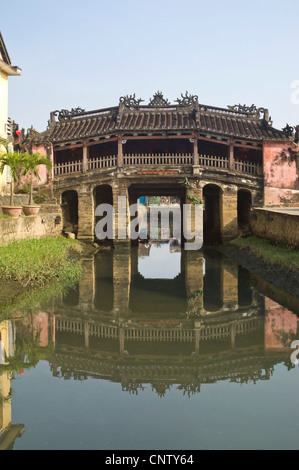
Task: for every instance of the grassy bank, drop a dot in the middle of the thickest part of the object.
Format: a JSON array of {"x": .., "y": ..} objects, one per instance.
[
  {"x": 36, "y": 263},
  {"x": 271, "y": 254}
]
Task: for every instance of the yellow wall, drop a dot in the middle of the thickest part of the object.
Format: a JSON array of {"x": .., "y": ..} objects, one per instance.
[
  {"x": 5, "y": 410},
  {"x": 3, "y": 120}
]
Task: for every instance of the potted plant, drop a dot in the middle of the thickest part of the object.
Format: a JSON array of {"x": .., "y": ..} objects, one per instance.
[
  {"x": 13, "y": 161},
  {"x": 31, "y": 162}
]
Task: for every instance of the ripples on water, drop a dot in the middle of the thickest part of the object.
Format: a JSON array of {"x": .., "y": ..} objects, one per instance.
[{"x": 157, "y": 348}]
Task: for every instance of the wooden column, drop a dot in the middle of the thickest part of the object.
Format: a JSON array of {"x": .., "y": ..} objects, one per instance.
[
  {"x": 231, "y": 156},
  {"x": 195, "y": 151},
  {"x": 51, "y": 156},
  {"x": 85, "y": 158},
  {"x": 120, "y": 151}
]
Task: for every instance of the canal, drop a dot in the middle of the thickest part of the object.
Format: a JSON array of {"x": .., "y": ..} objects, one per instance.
[{"x": 156, "y": 348}]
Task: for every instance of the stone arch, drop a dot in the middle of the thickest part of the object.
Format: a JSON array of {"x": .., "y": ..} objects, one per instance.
[
  {"x": 212, "y": 195},
  {"x": 69, "y": 203},
  {"x": 244, "y": 204},
  {"x": 102, "y": 194}
]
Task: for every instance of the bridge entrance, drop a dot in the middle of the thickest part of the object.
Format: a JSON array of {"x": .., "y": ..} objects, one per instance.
[
  {"x": 212, "y": 214},
  {"x": 244, "y": 205}
]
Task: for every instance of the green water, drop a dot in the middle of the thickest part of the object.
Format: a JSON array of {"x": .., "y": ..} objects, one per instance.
[{"x": 156, "y": 348}]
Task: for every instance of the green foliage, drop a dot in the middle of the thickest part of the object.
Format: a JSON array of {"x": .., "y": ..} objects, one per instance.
[
  {"x": 25, "y": 162},
  {"x": 24, "y": 189},
  {"x": 30, "y": 164},
  {"x": 270, "y": 253},
  {"x": 154, "y": 200},
  {"x": 38, "y": 262},
  {"x": 194, "y": 199},
  {"x": 186, "y": 182}
]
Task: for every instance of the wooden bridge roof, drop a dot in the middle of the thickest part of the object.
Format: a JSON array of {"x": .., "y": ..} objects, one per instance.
[{"x": 159, "y": 116}]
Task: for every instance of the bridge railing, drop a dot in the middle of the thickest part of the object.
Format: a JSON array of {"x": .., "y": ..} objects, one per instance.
[
  {"x": 158, "y": 159},
  {"x": 61, "y": 169},
  {"x": 248, "y": 167},
  {"x": 102, "y": 162},
  {"x": 213, "y": 161}
]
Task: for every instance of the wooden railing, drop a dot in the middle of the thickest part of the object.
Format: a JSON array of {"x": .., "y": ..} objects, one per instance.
[
  {"x": 158, "y": 160},
  {"x": 248, "y": 167},
  {"x": 212, "y": 161},
  {"x": 67, "y": 168},
  {"x": 102, "y": 162},
  {"x": 148, "y": 334}
]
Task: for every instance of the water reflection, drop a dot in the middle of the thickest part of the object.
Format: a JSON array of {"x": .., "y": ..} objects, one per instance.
[{"x": 152, "y": 316}]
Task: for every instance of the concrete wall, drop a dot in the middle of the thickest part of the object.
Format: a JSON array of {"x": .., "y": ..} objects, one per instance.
[
  {"x": 23, "y": 228},
  {"x": 275, "y": 226}
]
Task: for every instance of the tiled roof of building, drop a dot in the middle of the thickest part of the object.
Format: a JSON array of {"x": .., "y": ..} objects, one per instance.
[
  {"x": 187, "y": 115},
  {"x": 3, "y": 51}
]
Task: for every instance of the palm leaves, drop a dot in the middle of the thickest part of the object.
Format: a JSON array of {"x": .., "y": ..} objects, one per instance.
[
  {"x": 30, "y": 163},
  {"x": 13, "y": 161},
  {"x": 24, "y": 161}
]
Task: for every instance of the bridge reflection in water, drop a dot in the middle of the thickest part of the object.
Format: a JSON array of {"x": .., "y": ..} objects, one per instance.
[
  {"x": 128, "y": 322},
  {"x": 201, "y": 319}
]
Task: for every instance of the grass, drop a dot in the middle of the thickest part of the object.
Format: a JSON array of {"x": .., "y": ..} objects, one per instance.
[
  {"x": 36, "y": 263},
  {"x": 270, "y": 253},
  {"x": 4, "y": 216}
]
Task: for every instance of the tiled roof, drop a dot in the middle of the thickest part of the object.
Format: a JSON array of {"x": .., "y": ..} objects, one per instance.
[
  {"x": 159, "y": 116},
  {"x": 3, "y": 51}
]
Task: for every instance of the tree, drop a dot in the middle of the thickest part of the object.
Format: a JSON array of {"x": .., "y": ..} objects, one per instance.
[
  {"x": 31, "y": 163},
  {"x": 13, "y": 160}
]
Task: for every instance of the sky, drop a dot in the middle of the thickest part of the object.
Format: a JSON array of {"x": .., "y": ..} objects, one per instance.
[{"x": 89, "y": 53}]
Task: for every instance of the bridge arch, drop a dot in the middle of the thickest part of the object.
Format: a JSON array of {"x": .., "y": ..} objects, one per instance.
[
  {"x": 212, "y": 227},
  {"x": 102, "y": 194},
  {"x": 244, "y": 203},
  {"x": 70, "y": 211}
]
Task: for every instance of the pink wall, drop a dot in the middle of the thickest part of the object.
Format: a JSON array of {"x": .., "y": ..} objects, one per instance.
[
  {"x": 42, "y": 169},
  {"x": 280, "y": 327},
  {"x": 281, "y": 174}
]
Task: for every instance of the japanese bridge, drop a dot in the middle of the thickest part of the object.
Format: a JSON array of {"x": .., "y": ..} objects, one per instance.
[{"x": 231, "y": 158}]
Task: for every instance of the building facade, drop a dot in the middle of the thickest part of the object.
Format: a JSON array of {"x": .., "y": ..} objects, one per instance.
[{"x": 6, "y": 70}]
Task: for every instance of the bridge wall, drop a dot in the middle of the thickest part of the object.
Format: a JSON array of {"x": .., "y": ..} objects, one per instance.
[{"x": 121, "y": 184}]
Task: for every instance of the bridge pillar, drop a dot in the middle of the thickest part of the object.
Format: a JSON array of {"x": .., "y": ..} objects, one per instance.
[
  {"x": 194, "y": 280},
  {"x": 121, "y": 209},
  {"x": 193, "y": 223},
  {"x": 229, "y": 213},
  {"x": 230, "y": 275},
  {"x": 87, "y": 285},
  {"x": 86, "y": 214},
  {"x": 121, "y": 278}
]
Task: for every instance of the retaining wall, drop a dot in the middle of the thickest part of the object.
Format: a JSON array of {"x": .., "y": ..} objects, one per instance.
[
  {"x": 281, "y": 228},
  {"x": 45, "y": 224}
]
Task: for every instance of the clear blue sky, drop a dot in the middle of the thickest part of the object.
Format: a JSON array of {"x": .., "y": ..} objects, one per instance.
[{"x": 88, "y": 53}]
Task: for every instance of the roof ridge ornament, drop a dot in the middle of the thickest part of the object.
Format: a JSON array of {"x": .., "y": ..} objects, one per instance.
[
  {"x": 288, "y": 131},
  {"x": 243, "y": 108},
  {"x": 252, "y": 111},
  {"x": 187, "y": 100},
  {"x": 158, "y": 100},
  {"x": 130, "y": 101},
  {"x": 65, "y": 114}
]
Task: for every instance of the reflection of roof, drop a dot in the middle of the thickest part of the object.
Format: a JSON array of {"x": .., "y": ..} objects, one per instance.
[
  {"x": 249, "y": 123},
  {"x": 239, "y": 366}
]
